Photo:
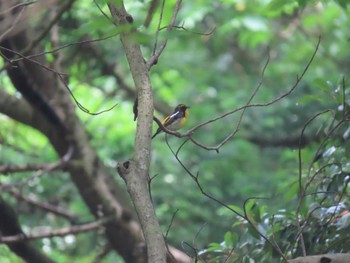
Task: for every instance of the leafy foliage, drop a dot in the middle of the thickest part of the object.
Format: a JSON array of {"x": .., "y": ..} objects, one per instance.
[{"x": 214, "y": 73}]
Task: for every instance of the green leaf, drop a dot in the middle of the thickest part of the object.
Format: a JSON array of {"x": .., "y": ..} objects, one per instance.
[
  {"x": 253, "y": 232},
  {"x": 303, "y": 3},
  {"x": 322, "y": 84},
  {"x": 237, "y": 209},
  {"x": 214, "y": 247},
  {"x": 234, "y": 240},
  {"x": 343, "y": 3},
  {"x": 228, "y": 239},
  {"x": 274, "y": 229},
  {"x": 277, "y": 5}
]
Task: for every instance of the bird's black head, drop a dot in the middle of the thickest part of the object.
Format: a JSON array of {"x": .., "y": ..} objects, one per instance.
[{"x": 182, "y": 108}]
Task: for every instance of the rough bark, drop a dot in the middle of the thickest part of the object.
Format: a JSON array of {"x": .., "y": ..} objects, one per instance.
[
  {"x": 328, "y": 258},
  {"x": 136, "y": 172},
  {"x": 47, "y": 107},
  {"x": 60, "y": 124}
]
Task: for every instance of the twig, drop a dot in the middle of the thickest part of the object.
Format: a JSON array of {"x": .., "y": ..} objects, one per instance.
[
  {"x": 196, "y": 237},
  {"x": 195, "y": 250},
  {"x": 196, "y": 179},
  {"x": 153, "y": 60},
  {"x": 243, "y": 108},
  {"x": 53, "y": 166},
  {"x": 66, "y": 6},
  {"x": 15, "y": 22},
  {"x": 171, "y": 223},
  {"x": 158, "y": 29},
  {"x": 192, "y": 32},
  {"x": 60, "y": 75},
  {"x": 56, "y": 233},
  {"x": 16, "y": 6},
  {"x": 52, "y": 51},
  {"x": 30, "y": 60},
  {"x": 7, "y": 169},
  {"x": 303, "y": 189},
  {"x": 80, "y": 106},
  {"x": 104, "y": 13},
  {"x": 33, "y": 201},
  {"x": 244, "y": 216}
]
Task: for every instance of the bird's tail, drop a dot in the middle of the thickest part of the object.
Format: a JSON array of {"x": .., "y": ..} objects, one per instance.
[{"x": 156, "y": 133}]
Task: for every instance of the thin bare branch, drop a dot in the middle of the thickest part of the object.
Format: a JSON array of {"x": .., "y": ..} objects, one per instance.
[
  {"x": 55, "y": 50},
  {"x": 8, "y": 169},
  {"x": 303, "y": 189},
  {"x": 154, "y": 59},
  {"x": 248, "y": 105},
  {"x": 15, "y": 22},
  {"x": 195, "y": 178},
  {"x": 46, "y": 206},
  {"x": 80, "y": 106},
  {"x": 65, "y": 7},
  {"x": 39, "y": 173},
  {"x": 158, "y": 29},
  {"x": 191, "y": 31},
  {"x": 16, "y": 6},
  {"x": 63, "y": 81},
  {"x": 60, "y": 164},
  {"x": 58, "y": 232},
  {"x": 104, "y": 13},
  {"x": 29, "y": 59},
  {"x": 171, "y": 223}
]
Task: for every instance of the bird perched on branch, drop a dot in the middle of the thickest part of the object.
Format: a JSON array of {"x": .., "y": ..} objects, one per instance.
[{"x": 176, "y": 120}]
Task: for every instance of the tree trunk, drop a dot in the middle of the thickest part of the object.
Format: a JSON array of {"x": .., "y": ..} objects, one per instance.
[
  {"x": 328, "y": 258},
  {"x": 50, "y": 110}
]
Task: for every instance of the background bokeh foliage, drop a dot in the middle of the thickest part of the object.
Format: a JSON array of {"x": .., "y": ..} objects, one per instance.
[{"x": 213, "y": 73}]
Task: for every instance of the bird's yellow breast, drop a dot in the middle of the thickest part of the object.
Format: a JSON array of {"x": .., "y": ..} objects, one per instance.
[
  {"x": 178, "y": 124},
  {"x": 187, "y": 111},
  {"x": 183, "y": 121}
]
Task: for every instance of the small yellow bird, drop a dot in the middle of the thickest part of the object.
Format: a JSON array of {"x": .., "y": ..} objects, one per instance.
[{"x": 176, "y": 120}]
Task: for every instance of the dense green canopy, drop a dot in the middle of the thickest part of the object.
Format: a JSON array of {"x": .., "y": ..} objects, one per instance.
[{"x": 286, "y": 168}]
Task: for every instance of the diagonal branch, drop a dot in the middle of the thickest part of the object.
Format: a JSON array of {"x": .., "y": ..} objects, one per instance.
[
  {"x": 46, "y": 206},
  {"x": 195, "y": 178},
  {"x": 60, "y": 164},
  {"x": 64, "y": 8},
  {"x": 58, "y": 232},
  {"x": 156, "y": 54},
  {"x": 243, "y": 108}
]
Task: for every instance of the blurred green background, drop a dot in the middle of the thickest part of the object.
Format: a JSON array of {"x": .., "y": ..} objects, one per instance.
[{"x": 214, "y": 66}]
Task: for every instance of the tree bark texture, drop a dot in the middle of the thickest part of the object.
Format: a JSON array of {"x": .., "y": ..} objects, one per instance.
[
  {"x": 53, "y": 113},
  {"x": 47, "y": 106},
  {"x": 328, "y": 258},
  {"x": 136, "y": 173}
]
